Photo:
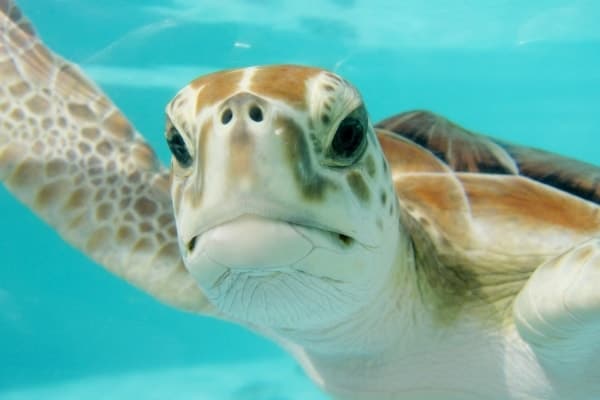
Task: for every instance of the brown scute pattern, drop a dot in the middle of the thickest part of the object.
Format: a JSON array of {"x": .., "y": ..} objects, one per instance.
[
  {"x": 528, "y": 203},
  {"x": 572, "y": 176},
  {"x": 465, "y": 151},
  {"x": 117, "y": 125},
  {"x": 403, "y": 157},
  {"x": 214, "y": 87},
  {"x": 284, "y": 82},
  {"x": 462, "y": 150},
  {"x": 73, "y": 158}
]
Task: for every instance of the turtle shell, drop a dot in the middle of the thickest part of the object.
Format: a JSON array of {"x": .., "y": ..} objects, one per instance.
[
  {"x": 465, "y": 151},
  {"x": 483, "y": 214}
]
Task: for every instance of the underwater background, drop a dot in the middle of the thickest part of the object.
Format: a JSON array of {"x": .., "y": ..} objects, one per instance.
[{"x": 527, "y": 72}]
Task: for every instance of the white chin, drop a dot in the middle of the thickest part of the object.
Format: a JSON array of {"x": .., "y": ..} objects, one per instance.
[{"x": 262, "y": 272}]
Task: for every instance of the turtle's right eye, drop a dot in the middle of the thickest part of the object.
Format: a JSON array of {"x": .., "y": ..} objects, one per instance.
[{"x": 178, "y": 148}]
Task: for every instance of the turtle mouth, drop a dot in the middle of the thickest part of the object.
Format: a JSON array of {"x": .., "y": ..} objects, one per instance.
[
  {"x": 255, "y": 246},
  {"x": 340, "y": 239},
  {"x": 274, "y": 272}
]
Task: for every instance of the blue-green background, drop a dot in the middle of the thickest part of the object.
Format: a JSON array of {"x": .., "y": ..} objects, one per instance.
[{"x": 529, "y": 73}]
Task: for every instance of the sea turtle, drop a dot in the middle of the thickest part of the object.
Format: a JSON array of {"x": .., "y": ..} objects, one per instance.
[{"x": 412, "y": 259}]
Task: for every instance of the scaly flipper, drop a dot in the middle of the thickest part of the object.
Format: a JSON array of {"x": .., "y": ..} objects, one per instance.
[
  {"x": 69, "y": 154},
  {"x": 558, "y": 310}
]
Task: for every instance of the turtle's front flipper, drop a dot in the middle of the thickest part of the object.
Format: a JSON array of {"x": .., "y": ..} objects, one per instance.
[
  {"x": 558, "y": 310},
  {"x": 71, "y": 156}
]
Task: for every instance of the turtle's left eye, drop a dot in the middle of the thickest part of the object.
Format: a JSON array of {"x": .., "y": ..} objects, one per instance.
[
  {"x": 178, "y": 148},
  {"x": 349, "y": 140}
]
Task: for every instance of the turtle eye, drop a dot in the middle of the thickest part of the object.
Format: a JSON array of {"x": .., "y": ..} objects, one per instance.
[
  {"x": 350, "y": 138},
  {"x": 178, "y": 148}
]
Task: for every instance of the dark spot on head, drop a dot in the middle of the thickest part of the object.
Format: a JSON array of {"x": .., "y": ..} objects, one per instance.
[
  {"x": 383, "y": 197},
  {"x": 328, "y": 87},
  {"x": 325, "y": 119},
  {"x": 370, "y": 163},
  {"x": 311, "y": 184},
  {"x": 358, "y": 186}
]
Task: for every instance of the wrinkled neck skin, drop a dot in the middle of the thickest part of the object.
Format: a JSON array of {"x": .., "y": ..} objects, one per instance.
[
  {"x": 393, "y": 349},
  {"x": 388, "y": 343}
]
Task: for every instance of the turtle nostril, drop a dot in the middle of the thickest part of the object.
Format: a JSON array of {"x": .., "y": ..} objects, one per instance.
[
  {"x": 255, "y": 114},
  {"x": 226, "y": 116}
]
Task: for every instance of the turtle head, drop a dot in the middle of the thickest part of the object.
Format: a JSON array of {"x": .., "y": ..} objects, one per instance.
[{"x": 282, "y": 196}]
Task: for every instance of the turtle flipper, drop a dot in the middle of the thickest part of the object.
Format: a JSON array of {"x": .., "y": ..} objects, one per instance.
[
  {"x": 69, "y": 154},
  {"x": 558, "y": 310}
]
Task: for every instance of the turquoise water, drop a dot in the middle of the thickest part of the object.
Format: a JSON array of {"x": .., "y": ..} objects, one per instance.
[{"x": 526, "y": 73}]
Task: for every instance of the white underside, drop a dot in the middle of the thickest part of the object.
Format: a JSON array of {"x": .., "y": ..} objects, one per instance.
[{"x": 467, "y": 366}]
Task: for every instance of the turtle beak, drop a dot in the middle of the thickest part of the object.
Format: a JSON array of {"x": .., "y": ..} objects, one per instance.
[{"x": 249, "y": 243}]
